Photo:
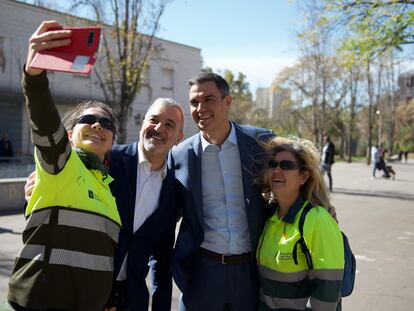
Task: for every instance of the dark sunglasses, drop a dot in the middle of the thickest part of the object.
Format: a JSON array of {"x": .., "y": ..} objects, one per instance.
[
  {"x": 285, "y": 165},
  {"x": 92, "y": 119}
]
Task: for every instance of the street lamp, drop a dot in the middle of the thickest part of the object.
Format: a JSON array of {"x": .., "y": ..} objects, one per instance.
[{"x": 378, "y": 113}]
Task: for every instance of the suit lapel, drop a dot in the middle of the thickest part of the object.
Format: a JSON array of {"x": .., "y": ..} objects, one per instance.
[
  {"x": 246, "y": 148},
  {"x": 194, "y": 175},
  {"x": 130, "y": 161}
]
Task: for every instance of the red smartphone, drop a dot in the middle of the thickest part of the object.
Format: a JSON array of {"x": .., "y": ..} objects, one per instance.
[{"x": 78, "y": 57}]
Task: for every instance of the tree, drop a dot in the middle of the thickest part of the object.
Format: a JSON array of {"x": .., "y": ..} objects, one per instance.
[
  {"x": 127, "y": 46},
  {"x": 242, "y": 103},
  {"x": 405, "y": 126},
  {"x": 381, "y": 24}
]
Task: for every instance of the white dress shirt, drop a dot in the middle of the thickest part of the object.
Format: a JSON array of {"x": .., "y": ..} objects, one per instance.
[
  {"x": 225, "y": 222},
  {"x": 148, "y": 188}
]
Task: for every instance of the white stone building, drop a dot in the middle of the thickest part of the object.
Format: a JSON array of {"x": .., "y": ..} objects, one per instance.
[{"x": 167, "y": 75}]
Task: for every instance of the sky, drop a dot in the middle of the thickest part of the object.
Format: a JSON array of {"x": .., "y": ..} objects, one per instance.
[{"x": 256, "y": 38}]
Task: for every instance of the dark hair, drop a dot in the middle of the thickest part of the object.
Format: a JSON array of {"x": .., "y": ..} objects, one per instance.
[
  {"x": 218, "y": 80},
  {"x": 70, "y": 118}
]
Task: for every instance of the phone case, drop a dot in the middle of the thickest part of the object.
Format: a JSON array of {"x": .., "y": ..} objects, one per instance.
[{"x": 78, "y": 57}]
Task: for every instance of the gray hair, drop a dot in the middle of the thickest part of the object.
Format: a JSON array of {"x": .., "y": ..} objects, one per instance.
[{"x": 168, "y": 103}]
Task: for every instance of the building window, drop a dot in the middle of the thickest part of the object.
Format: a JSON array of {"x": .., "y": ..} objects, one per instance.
[
  {"x": 145, "y": 75},
  {"x": 168, "y": 78}
]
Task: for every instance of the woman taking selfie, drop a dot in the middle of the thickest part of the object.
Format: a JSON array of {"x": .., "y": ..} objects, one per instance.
[
  {"x": 72, "y": 222},
  {"x": 291, "y": 181}
]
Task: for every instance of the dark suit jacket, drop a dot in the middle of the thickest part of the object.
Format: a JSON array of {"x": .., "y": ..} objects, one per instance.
[
  {"x": 186, "y": 161},
  {"x": 152, "y": 241}
]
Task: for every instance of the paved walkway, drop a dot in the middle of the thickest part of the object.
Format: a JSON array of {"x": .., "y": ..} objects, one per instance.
[{"x": 377, "y": 215}]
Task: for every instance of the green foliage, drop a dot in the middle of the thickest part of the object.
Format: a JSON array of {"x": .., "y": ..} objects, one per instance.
[
  {"x": 376, "y": 26},
  {"x": 242, "y": 104}
]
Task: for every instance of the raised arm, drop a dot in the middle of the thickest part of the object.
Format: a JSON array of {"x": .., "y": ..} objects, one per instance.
[{"x": 48, "y": 133}]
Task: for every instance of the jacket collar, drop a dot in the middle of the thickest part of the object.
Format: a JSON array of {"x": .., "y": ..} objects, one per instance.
[{"x": 294, "y": 210}]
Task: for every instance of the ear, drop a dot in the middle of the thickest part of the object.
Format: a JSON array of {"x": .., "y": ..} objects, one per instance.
[
  {"x": 304, "y": 176},
  {"x": 70, "y": 132},
  {"x": 180, "y": 137},
  {"x": 228, "y": 101}
]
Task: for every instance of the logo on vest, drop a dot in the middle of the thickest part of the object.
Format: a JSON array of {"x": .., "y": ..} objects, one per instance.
[
  {"x": 285, "y": 256},
  {"x": 93, "y": 195}
]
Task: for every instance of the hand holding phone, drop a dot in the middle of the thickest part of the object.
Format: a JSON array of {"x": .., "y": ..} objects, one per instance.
[
  {"x": 70, "y": 49},
  {"x": 43, "y": 39}
]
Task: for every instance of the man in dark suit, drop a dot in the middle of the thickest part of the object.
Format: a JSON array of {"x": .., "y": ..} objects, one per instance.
[
  {"x": 143, "y": 188},
  {"x": 223, "y": 214}
]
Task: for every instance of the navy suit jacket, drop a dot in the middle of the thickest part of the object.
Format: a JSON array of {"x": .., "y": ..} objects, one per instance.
[
  {"x": 186, "y": 161},
  {"x": 153, "y": 241}
]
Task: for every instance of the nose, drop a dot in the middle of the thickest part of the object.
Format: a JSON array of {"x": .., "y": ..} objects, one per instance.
[
  {"x": 96, "y": 126},
  {"x": 200, "y": 107},
  {"x": 158, "y": 126}
]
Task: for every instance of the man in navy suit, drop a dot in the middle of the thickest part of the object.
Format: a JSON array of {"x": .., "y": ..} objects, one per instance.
[
  {"x": 222, "y": 211},
  {"x": 143, "y": 188}
]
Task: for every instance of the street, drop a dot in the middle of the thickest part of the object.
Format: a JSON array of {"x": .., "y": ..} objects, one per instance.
[{"x": 376, "y": 214}]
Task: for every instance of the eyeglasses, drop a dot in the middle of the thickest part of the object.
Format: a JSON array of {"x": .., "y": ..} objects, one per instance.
[
  {"x": 285, "y": 165},
  {"x": 92, "y": 119}
]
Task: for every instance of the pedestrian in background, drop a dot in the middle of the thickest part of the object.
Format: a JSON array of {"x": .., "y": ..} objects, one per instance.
[
  {"x": 375, "y": 159},
  {"x": 6, "y": 148},
  {"x": 406, "y": 156},
  {"x": 327, "y": 159}
]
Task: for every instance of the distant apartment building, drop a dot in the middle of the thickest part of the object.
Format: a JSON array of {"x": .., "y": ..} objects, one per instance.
[
  {"x": 166, "y": 76},
  {"x": 406, "y": 86},
  {"x": 269, "y": 99}
]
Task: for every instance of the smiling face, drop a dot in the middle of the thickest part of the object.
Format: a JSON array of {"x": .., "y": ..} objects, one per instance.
[
  {"x": 92, "y": 137},
  {"x": 161, "y": 130},
  {"x": 286, "y": 183},
  {"x": 209, "y": 109}
]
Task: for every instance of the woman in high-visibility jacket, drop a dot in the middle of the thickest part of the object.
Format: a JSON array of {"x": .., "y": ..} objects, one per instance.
[
  {"x": 72, "y": 223},
  {"x": 291, "y": 180}
]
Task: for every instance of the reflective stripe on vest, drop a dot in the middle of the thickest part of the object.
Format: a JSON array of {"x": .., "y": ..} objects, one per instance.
[
  {"x": 32, "y": 252},
  {"x": 327, "y": 274},
  {"x": 75, "y": 218},
  {"x": 84, "y": 220},
  {"x": 284, "y": 303},
  {"x": 323, "y": 274},
  {"x": 36, "y": 219},
  {"x": 81, "y": 260},
  {"x": 298, "y": 303},
  {"x": 282, "y": 276},
  {"x": 68, "y": 258},
  {"x": 322, "y": 305}
]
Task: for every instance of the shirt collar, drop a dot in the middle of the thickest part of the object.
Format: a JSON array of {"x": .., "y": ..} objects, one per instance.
[
  {"x": 294, "y": 209},
  {"x": 143, "y": 160},
  {"x": 232, "y": 138}
]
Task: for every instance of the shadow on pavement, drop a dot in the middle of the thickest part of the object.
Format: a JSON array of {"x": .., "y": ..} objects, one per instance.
[
  {"x": 381, "y": 194},
  {"x": 6, "y": 230},
  {"x": 12, "y": 212},
  {"x": 6, "y": 265}
]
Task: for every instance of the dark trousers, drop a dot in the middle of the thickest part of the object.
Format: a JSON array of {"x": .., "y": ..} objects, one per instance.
[{"x": 215, "y": 286}]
